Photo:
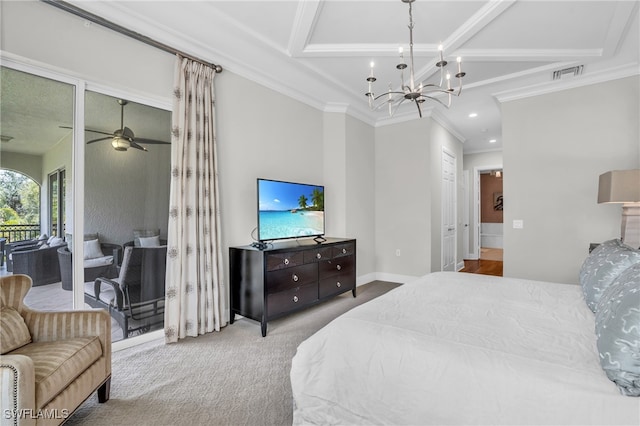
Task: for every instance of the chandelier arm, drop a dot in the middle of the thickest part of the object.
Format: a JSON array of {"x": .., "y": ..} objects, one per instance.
[
  {"x": 386, "y": 104},
  {"x": 446, "y": 105},
  {"x": 439, "y": 90},
  {"x": 387, "y": 94},
  {"x": 396, "y": 108}
]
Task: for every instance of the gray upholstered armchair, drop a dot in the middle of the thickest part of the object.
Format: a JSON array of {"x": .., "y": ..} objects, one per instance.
[{"x": 51, "y": 362}]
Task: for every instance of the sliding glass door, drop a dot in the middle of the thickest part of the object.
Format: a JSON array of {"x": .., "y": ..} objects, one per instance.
[
  {"x": 126, "y": 203},
  {"x": 35, "y": 152}
]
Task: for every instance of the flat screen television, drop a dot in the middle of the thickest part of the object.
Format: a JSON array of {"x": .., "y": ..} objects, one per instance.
[{"x": 289, "y": 210}]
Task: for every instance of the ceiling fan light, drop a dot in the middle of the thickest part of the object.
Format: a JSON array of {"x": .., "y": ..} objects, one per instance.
[{"x": 120, "y": 144}]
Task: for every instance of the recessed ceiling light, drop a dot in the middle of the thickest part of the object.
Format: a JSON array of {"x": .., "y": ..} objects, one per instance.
[
  {"x": 473, "y": 115},
  {"x": 492, "y": 141}
]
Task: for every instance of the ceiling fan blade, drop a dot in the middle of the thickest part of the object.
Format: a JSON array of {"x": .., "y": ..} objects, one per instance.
[
  {"x": 99, "y": 132},
  {"x": 88, "y": 130},
  {"x": 100, "y": 139},
  {"x": 152, "y": 141},
  {"x": 136, "y": 146}
]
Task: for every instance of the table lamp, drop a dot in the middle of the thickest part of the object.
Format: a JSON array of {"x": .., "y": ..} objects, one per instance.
[{"x": 623, "y": 186}]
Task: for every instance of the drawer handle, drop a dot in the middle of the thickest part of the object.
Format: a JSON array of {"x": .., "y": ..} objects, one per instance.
[
  {"x": 344, "y": 251},
  {"x": 286, "y": 261},
  {"x": 318, "y": 256},
  {"x": 295, "y": 299},
  {"x": 338, "y": 267},
  {"x": 338, "y": 284},
  {"x": 295, "y": 278}
]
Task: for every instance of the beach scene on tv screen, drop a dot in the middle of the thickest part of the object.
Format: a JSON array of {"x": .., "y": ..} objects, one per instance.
[{"x": 289, "y": 210}]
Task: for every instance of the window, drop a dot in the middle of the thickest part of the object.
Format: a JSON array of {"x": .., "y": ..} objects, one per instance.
[{"x": 56, "y": 203}]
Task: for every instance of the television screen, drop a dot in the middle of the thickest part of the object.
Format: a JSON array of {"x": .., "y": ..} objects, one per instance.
[{"x": 289, "y": 210}]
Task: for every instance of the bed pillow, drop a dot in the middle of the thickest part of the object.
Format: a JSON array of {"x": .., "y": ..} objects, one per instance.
[
  {"x": 14, "y": 333},
  {"x": 605, "y": 263},
  {"x": 618, "y": 331}
]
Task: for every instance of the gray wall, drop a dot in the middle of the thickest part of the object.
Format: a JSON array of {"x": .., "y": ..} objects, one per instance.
[
  {"x": 555, "y": 147},
  {"x": 360, "y": 201},
  {"x": 408, "y": 191},
  {"x": 403, "y": 198}
]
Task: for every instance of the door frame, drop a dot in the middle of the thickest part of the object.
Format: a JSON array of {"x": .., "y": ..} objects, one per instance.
[{"x": 475, "y": 223}]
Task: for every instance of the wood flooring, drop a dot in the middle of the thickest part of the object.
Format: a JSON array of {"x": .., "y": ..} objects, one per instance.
[
  {"x": 484, "y": 267},
  {"x": 490, "y": 263}
]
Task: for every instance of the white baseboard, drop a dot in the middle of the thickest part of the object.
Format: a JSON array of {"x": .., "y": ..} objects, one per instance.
[
  {"x": 366, "y": 278},
  {"x": 383, "y": 276},
  {"x": 460, "y": 266}
]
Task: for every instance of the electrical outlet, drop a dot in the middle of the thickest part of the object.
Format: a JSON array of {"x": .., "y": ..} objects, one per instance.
[
  {"x": 518, "y": 224},
  {"x": 398, "y": 252}
]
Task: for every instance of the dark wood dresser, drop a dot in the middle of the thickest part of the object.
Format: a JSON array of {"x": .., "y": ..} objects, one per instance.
[{"x": 289, "y": 276}]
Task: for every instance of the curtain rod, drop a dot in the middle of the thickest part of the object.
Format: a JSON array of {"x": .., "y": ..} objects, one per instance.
[{"x": 67, "y": 7}]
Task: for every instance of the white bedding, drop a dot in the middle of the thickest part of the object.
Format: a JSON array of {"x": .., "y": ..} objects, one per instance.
[{"x": 456, "y": 348}]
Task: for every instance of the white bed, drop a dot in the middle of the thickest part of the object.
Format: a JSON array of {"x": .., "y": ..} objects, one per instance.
[{"x": 456, "y": 348}]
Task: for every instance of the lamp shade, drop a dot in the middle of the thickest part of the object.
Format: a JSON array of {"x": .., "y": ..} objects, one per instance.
[{"x": 619, "y": 186}]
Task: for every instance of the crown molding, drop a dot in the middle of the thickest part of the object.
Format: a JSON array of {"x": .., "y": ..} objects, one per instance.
[
  {"x": 482, "y": 151},
  {"x": 615, "y": 73},
  {"x": 447, "y": 125}
]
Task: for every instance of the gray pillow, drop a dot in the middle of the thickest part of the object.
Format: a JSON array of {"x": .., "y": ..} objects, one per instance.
[
  {"x": 618, "y": 331},
  {"x": 603, "y": 265}
]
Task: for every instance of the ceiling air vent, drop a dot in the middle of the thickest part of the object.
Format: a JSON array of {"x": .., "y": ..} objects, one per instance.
[{"x": 568, "y": 72}]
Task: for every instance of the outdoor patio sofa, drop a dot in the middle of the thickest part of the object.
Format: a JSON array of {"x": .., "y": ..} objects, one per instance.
[
  {"x": 40, "y": 263},
  {"x": 51, "y": 362}
]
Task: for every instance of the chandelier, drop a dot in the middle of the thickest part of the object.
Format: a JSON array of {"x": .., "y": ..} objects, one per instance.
[{"x": 409, "y": 90}]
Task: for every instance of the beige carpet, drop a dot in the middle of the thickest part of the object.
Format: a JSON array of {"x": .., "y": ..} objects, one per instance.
[{"x": 234, "y": 377}]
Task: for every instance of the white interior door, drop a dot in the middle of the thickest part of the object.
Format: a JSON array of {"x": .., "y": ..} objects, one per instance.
[
  {"x": 448, "y": 211},
  {"x": 466, "y": 194}
]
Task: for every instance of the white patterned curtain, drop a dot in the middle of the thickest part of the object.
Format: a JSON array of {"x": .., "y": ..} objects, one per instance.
[{"x": 196, "y": 294}]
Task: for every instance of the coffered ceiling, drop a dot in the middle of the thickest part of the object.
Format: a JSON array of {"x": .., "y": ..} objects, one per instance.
[{"x": 319, "y": 51}]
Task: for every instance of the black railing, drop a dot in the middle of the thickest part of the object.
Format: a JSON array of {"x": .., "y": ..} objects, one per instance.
[{"x": 19, "y": 232}]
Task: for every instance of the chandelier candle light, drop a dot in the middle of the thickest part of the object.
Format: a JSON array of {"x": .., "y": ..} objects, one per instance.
[{"x": 410, "y": 91}]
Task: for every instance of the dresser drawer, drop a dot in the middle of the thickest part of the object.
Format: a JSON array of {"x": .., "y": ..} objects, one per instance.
[
  {"x": 291, "y": 277},
  {"x": 339, "y": 250},
  {"x": 289, "y": 300},
  {"x": 336, "y": 284},
  {"x": 277, "y": 261},
  {"x": 338, "y": 265},
  {"x": 316, "y": 255}
]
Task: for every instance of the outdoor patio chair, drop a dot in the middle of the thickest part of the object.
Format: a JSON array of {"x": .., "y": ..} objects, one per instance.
[
  {"x": 136, "y": 298},
  {"x": 105, "y": 266}
]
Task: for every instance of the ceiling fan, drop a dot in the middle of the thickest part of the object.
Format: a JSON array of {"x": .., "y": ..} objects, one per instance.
[{"x": 123, "y": 138}]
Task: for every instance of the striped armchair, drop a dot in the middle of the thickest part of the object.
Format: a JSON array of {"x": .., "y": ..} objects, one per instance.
[{"x": 51, "y": 362}]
